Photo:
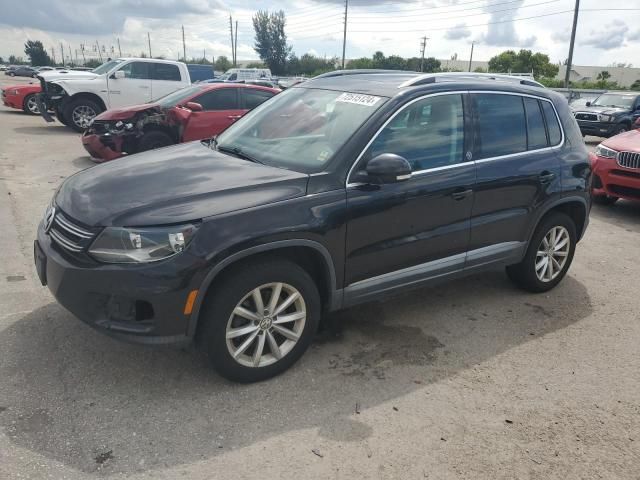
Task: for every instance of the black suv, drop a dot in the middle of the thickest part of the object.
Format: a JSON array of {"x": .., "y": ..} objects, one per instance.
[
  {"x": 609, "y": 114},
  {"x": 339, "y": 191}
]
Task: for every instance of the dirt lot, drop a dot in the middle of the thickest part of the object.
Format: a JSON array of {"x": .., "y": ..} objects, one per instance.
[{"x": 473, "y": 379}]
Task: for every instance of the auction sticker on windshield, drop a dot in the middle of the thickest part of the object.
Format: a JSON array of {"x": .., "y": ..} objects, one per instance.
[{"x": 358, "y": 99}]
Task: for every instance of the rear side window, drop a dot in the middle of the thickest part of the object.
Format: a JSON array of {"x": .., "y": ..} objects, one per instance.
[
  {"x": 220, "y": 99},
  {"x": 501, "y": 126},
  {"x": 555, "y": 135},
  {"x": 166, "y": 71},
  {"x": 254, "y": 97},
  {"x": 537, "y": 136}
]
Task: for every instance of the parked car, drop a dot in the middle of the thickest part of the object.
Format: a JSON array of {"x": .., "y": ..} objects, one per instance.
[
  {"x": 238, "y": 74},
  {"x": 21, "y": 71},
  {"x": 22, "y": 97},
  {"x": 3, "y": 68},
  {"x": 77, "y": 96},
  {"x": 338, "y": 191},
  {"x": 610, "y": 114},
  {"x": 193, "y": 113},
  {"x": 581, "y": 101},
  {"x": 616, "y": 169}
]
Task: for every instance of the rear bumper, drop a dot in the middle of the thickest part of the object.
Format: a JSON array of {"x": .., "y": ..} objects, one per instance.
[
  {"x": 102, "y": 148},
  {"x": 613, "y": 180}
]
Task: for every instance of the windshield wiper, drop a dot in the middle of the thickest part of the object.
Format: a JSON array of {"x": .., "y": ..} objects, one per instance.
[{"x": 237, "y": 151}]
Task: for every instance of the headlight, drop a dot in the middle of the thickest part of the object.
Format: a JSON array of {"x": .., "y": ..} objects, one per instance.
[
  {"x": 140, "y": 245},
  {"x": 605, "y": 152},
  {"x": 606, "y": 118}
]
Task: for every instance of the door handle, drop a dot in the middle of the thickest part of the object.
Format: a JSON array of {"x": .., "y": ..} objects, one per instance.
[
  {"x": 461, "y": 193},
  {"x": 234, "y": 117},
  {"x": 143, "y": 86},
  {"x": 546, "y": 177}
]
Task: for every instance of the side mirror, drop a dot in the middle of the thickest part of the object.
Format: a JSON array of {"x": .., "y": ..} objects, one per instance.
[
  {"x": 588, "y": 104},
  {"x": 118, "y": 74},
  {"x": 193, "y": 106},
  {"x": 388, "y": 168}
]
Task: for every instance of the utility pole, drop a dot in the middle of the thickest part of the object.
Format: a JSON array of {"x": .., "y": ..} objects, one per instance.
[
  {"x": 53, "y": 55},
  {"x": 149, "y": 39},
  {"x": 573, "y": 39},
  {"x": 204, "y": 54},
  {"x": 62, "y": 53},
  {"x": 423, "y": 47},
  {"x": 70, "y": 54},
  {"x": 235, "y": 47},
  {"x": 184, "y": 47},
  {"x": 119, "y": 49},
  {"x": 344, "y": 37},
  {"x": 84, "y": 60},
  {"x": 471, "y": 56},
  {"x": 77, "y": 62},
  {"x": 99, "y": 52},
  {"x": 233, "y": 55}
]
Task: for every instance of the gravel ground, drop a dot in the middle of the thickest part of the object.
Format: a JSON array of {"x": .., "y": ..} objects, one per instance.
[{"x": 473, "y": 379}]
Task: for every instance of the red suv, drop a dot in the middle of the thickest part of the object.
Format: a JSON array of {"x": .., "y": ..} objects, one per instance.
[
  {"x": 192, "y": 113},
  {"x": 616, "y": 168}
]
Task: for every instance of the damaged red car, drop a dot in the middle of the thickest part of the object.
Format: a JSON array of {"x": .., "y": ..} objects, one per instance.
[{"x": 196, "y": 112}]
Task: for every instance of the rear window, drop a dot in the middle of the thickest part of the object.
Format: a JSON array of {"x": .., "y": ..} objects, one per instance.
[
  {"x": 501, "y": 125},
  {"x": 166, "y": 71},
  {"x": 555, "y": 135},
  {"x": 254, "y": 97}
]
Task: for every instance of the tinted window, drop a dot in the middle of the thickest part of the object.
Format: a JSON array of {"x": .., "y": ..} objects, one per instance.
[
  {"x": 428, "y": 133},
  {"x": 220, "y": 99},
  {"x": 166, "y": 71},
  {"x": 552, "y": 123},
  {"x": 536, "y": 133},
  {"x": 253, "y": 97},
  {"x": 501, "y": 125},
  {"x": 137, "y": 70}
]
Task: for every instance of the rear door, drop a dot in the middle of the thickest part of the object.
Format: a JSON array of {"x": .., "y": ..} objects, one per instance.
[
  {"x": 517, "y": 171},
  {"x": 133, "y": 89},
  {"x": 165, "y": 79},
  {"x": 221, "y": 107}
]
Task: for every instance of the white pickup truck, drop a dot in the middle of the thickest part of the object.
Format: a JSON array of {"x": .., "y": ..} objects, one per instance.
[{"x": 78, "y": 97}]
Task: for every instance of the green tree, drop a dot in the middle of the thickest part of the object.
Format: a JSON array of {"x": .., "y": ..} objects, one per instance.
[
  {"x": 222, "y": 64},
  {"x": 634, "y": 86},
  {"x": 524, "y": 61},
  {"x": 309, "y": 64},
  {"x": 256, "y": 65},
  {"x": 93, "y": 63},
  {"x": 1, "y": 60},
  {"x": 271, "y": 39},
  {"x": 360, "y": 63},
  {"x": 36, "y": 53}
]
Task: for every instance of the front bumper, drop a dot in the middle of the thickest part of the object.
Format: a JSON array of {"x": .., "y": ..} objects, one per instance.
[
  {"x": 597, "y": 129},
  {"x": 102, "y": 148},
  {"x": 611, "y": 179},
  {"x": 138, "y": 303}
]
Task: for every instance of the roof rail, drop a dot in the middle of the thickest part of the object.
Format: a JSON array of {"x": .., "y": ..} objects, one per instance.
[
  {"x": 457, "y": 76},
  {"x": 363, "y": 71}
]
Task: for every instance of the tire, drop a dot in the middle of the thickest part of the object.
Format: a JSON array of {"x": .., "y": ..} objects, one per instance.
[
  {"x": 80, "y": 112},
  {"x": 524, "y": 274},
  {"x": 236, "y": 291},
  {"x": 11, "y": 74},
  {"x": 61, "y": 118},
  {"x": 154, "y": 139},
  {"x": 605, "y": 199},
  {"x": 30, "y": 106}
]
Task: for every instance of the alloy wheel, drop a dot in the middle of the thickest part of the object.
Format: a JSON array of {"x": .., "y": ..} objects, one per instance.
[
  {"x": 552, "y": 254},
  {"x": 266, "y": 325},
  {"x": 32, "y": 105},
  {"x": 82, "y": 115}
]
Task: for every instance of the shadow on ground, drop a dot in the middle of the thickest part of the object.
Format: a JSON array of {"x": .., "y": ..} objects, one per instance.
[
  {"x": 46, "y": 129},
  {"x": 83, "y": 162},
  {"x": 84, "y": 399}
]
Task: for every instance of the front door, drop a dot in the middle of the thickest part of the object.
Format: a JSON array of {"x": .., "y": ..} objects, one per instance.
[
  {"x": 220, "y": 108},
  {"x": 419, "y": 226},
  {"x": 133, "y": 89}
]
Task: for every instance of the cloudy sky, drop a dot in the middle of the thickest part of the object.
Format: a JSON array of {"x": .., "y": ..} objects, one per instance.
[{"x": 605, "y": 36}]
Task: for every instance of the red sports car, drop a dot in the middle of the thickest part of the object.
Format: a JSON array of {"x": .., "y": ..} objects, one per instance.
[
  {"x": 22, "y": 97},
  {"x": 193, "y": 113},
  {"x": 616, "y": 168}
]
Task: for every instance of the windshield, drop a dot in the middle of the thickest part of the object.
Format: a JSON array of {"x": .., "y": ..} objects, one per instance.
[
  {"x": 300, "y": 129},
  {"x": 614, "y": 100},
  {"x": 177, "y": 97},
  {"x": 105, "y": 67}
]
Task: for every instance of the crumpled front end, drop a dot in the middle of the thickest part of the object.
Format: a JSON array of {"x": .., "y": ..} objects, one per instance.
[{"x": 51, "y": 98}]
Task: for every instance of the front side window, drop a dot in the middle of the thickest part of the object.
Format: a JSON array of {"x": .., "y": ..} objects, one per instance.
[
  {"x": 429, "y": 133},
  {"x": 501, "y": 127},
  {"x": 136, "y": 70},
  {"x": 106, "y": 67},
  {"x": 219, "y": 99}
]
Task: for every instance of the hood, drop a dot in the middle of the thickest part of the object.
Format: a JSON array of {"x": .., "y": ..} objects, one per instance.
[
  {"x": 126, "y": 112},
  {"x": 175, "y": 184},
  {"x": 605, "y": 110},
  {"x": 627, "y": 141},
  {"x": 65, "y": 75}
]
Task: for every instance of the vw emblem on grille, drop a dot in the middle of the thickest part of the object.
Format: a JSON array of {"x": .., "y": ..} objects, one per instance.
[{"x": 48, "y": 219}]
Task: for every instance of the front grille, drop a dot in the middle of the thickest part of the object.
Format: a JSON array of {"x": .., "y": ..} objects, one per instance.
[
  {"x": 590, "y": 117},
  {"x": 628, "y": 159},
  {"x": 69, "y": 235}
]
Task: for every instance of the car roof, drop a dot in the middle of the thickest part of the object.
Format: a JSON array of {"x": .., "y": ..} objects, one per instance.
[
  {"x": 214, "y": 86},
  {"x": 389, "y": 83}
]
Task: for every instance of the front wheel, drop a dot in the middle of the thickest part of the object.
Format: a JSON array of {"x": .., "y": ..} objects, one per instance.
[
  {"x": 260, "y": 320},
  {"x": 549, "y": 255},
  {"x": 80, "y": 114},
  {"x": 154, "y": 139}
]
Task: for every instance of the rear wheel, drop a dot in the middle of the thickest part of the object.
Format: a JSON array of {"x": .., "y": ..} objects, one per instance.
[
  {"x": 154, "y": 139},
  {"x": 549, "y": 255},
  {"x": 30, "y": 105},
  {"x": 605, "y": 199},
  {"x": 80, "y": 113},
  {"x": 260, "y": 320}
]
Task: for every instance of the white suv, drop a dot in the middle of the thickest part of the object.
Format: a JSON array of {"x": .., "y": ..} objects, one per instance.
[{"x": 78, "y": 98}]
